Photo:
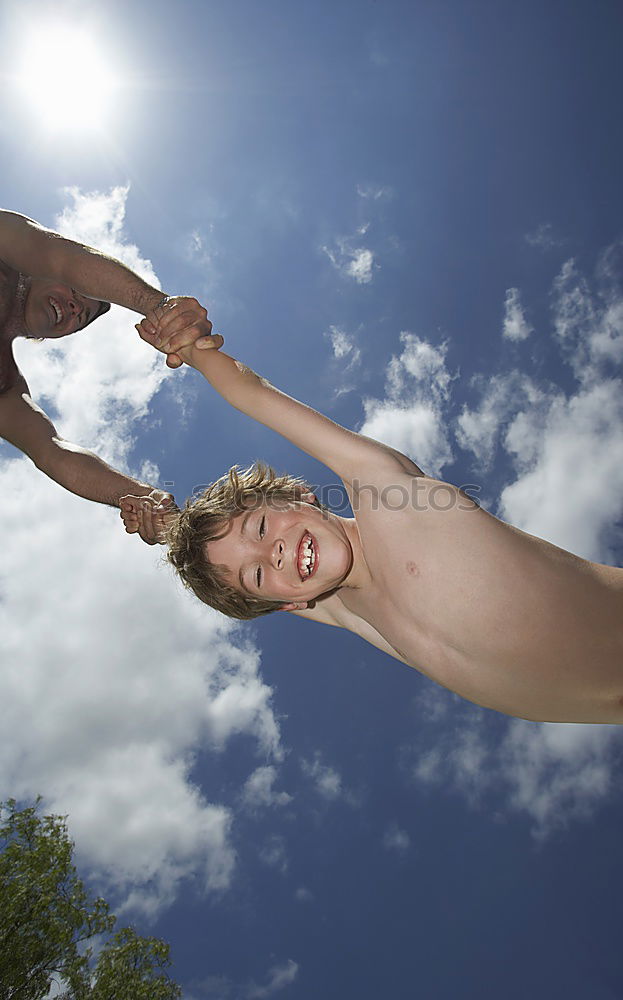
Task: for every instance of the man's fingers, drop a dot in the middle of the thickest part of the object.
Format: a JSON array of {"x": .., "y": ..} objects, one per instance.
[
  {"x": 174, "y": 361},
  {"x": 179, "y": 312},
  {"x": 145, "y": 523},
  {"x": 176, "y": 322},
  {"x": 183, "y": 335},
  {"x": 147, "y": 332},
  {"x": 148, "y": 515},
  {"x": 152, "y": 520},
  {"x": 130, "y": 522}
]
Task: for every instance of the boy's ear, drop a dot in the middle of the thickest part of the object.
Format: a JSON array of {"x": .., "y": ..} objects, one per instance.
[
  {"x": 299, "y": 606},
  {"x": 309, "y": 498}
]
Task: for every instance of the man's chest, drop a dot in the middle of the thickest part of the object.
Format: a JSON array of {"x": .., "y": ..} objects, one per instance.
[{"x": 8, "y": 294}]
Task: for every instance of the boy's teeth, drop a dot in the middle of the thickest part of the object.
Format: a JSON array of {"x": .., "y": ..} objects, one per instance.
[{"x": 308, "y": 557}]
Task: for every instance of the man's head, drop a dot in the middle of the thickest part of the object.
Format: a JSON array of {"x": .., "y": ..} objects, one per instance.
[
  {"x": 52, "y": 309},
  {"x": 255, "y": 542}
]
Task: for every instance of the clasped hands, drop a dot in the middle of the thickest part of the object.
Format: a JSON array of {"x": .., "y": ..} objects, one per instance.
[{"x": 179, "y": 323}]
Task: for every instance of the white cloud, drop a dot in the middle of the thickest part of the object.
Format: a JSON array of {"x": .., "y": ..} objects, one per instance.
[
  {"x": 411, "y": 417},
  {"x": 223, "y": 988},
  {"x": 478, "y": 429},
  {"x": 374, "y": 192},
  {"x": 515, "y": 326},
  {"x": 273, "y": 853},
  {"x": 113, "y": 677},
  {"x": 258, "y": 791},
  {"x": 278, "y": 977},
  {"x": 571, "y": 492},
  {"x": 351, "y": 260},
  {"x": 559, "y": 773},
  {"x": 543, "y": 237},
  {"x": 326, "y": 779},
  {"x": 396, "y": 839},
  {"x": 199, "y": 248},
  {"x": 566, "y": 448},
  {"x": 360, "y": 267},
  {"x": 588, "y": 321},
  {"x": 550, "y": 773},
  {"x": 344, "y": 346}
]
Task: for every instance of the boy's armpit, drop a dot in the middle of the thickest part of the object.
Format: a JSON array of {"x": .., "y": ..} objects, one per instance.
[
  {"x": 331, "y": 611},
  {"x": 322, "y": 611}
]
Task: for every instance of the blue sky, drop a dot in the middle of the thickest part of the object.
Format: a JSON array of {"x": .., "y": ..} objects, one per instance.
[{"x": 410, "y": 216}]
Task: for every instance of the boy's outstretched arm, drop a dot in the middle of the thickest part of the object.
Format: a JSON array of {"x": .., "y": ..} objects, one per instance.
[{"x": 348, "y": 454}]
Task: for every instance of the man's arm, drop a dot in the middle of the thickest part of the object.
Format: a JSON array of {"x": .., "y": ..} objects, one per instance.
[
  {"x": 24, "y": 425},
  {"x": 31, "y": 249},
  {"x": 350, "y": 455}
]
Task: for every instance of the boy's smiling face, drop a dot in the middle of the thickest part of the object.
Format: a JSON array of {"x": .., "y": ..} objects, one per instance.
[{"x": 292, "y": 553}]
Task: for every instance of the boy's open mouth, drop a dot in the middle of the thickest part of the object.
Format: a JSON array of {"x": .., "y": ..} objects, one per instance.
[{"x": 306, "y": 557}]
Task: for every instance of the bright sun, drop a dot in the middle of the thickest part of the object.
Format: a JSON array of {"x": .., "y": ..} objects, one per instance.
[{"x": 65, "y": 78}]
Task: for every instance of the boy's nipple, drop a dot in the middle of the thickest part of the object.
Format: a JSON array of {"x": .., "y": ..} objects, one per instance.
[{"x": 412, "y": 569}]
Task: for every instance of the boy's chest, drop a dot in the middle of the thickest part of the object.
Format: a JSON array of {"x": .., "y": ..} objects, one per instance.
[
  {"x": 405, "y": 582},
  {"x": 444, "y": 574}
]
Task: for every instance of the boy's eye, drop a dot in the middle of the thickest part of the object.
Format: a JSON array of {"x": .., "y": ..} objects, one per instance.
[
  {"x": 258, "y": 576},
  {"x": 262, "y": 527}
]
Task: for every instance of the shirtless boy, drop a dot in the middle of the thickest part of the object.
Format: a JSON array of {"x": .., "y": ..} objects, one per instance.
[
  {"x": 505, "y": 619},
  {"x": 51, "y": 287}
]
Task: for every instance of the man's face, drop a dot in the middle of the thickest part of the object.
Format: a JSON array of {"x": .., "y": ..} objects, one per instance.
[
  {"x": 54, "y": 310},
  {"x": 292, "y": 555}
]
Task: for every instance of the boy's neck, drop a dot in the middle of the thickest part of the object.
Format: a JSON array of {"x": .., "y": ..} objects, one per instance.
[{"x": 359, "y": 574}]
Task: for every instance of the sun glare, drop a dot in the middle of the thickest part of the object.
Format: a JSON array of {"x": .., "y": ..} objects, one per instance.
[{"x": 66, "y": 79}]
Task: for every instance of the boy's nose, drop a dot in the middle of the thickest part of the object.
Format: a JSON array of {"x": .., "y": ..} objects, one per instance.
[{"x": 278, "y": 554}]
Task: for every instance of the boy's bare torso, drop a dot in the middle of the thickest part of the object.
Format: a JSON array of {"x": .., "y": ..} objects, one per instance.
[{"x": 501, "y": 617}]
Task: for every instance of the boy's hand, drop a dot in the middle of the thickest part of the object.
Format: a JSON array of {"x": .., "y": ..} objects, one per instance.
[
  {"x": 149, "y": 515},
  {"x": 178, "y": 324}
]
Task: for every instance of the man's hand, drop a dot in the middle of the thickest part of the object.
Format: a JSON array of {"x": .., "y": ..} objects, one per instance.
[
  {"x": 180, "y": 322},
  {"x": 149, "y": 515}
]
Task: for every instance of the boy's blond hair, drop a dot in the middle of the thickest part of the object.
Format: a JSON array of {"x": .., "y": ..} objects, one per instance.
[{"x": 207, "y": 517}]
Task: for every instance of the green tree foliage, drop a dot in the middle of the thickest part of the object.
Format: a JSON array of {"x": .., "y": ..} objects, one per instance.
[{"x": 47, "y": 919}]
